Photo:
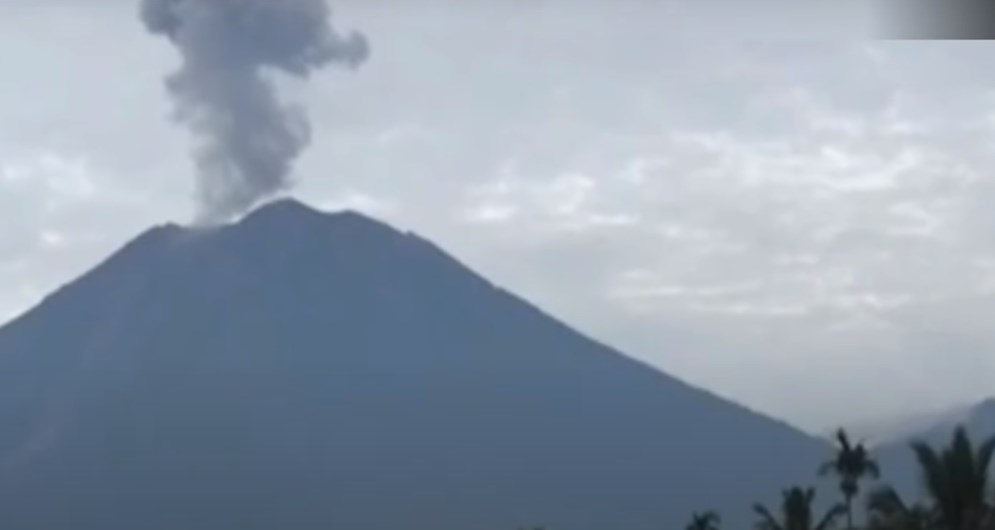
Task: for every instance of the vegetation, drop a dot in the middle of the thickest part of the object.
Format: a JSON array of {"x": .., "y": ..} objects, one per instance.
[
  {"x": 796, "y": 512},
  {"x": 955, "y": 480},
  {"x": 851, "y": 464},
  {"x": 709, "y": 520},
  {"x": 957, "y": 492}
]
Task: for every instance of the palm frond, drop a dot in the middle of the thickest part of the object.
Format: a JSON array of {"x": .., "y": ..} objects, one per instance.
[
  {"x": 933, "y": 472},
  {"x": 886, "y": 502},
  {"x": 984, "y": 456},
  {"x": 767, "y": 520},
  {"x": 843, "y": 440},
  {"x": 872, "y": 468},
  {"x": 831, "y": 517}
]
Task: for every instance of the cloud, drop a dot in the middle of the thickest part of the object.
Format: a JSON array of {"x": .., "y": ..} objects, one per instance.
[
  {"x": 359, "y": 201},
  {"x": 62, "y": 215}
]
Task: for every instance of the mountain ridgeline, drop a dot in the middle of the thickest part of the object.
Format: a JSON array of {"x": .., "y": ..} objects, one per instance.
[{"x": 300, "y": 370}]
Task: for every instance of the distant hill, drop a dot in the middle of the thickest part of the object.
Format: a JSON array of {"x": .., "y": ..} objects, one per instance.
[
  {"x": 887, "y": 430},
  {"x": 898, "y": 460},
  {"x": 303, "y": 371}
]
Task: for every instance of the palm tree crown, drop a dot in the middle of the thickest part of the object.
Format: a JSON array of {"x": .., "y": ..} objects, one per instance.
[
  {"x": 851, "y": 464},
  {"x": 956, "y": 480},
  {"x": 887, "y": 511},
  {"x": 796, "y": 512},
  {"x": 704, "y": 521}
]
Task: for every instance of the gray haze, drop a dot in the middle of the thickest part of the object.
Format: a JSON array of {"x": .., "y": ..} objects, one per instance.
[
  {"x": 802, "y": 225},
  {"x": 248, "y": 138}
]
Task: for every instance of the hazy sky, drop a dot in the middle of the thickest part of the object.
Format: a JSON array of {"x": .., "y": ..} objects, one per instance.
[{"x": 805, "y": 226}]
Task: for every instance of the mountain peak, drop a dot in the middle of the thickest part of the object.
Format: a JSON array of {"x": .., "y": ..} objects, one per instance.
[
  {"x": 284, "y": 217},
  {"x": 288, "y": 210}
]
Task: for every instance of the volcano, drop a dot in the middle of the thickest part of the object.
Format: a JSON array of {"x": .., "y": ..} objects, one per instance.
[{"x": 301, "y": 370}]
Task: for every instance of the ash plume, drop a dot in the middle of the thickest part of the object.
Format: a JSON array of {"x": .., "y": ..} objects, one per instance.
[{"x": 247, "y": 138}]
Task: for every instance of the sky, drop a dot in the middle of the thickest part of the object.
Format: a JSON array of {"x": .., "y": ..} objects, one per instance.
[{"x": 783, "y": 212}]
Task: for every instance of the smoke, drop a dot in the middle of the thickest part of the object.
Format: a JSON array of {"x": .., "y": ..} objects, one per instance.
[{"x": 248, "y": 139}]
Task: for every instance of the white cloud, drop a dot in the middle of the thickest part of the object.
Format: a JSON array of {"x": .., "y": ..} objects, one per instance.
[
  {"x": 492, "y": 212},
  {"x": 359, "y": 201}
]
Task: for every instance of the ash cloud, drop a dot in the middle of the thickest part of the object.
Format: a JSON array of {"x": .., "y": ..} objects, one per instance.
[{"x": 247, "y": 138}]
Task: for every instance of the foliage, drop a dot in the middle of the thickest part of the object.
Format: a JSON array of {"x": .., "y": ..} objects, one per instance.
[
  {"x": 955, "y": 479},
  {"x": 958, "y": 493},
  {"x": 709, "y": 520},
  {"x": 851, "y": 464},
  {"x": 796, "y": 512}
]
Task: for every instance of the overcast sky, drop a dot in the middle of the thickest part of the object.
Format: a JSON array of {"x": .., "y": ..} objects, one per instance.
[{"x": 805, "y": 226}]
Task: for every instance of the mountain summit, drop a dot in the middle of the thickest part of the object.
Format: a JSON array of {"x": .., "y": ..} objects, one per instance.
[{"x": 300, "y": 370}]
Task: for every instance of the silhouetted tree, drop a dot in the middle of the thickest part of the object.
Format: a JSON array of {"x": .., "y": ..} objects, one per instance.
[
  {"x": 887, "y": 511},
  {"x": 851, "y": 464},
  {"x": 956, "y": 480},
  {"x": 796, "y": 512},
  {"x": 709, "y": 520}
]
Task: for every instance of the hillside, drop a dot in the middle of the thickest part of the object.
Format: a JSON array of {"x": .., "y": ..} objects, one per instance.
[{"x": 303, "y": 371}]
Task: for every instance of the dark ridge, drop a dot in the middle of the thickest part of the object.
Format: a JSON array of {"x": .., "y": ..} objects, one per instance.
[
  {"x": 293, "y": 213},
  {"x": 289, "y": 219},
  {"x": 283, "y": 210},
  {"x": 135, "y": 256},
  {"x": 987, "y": 405}
]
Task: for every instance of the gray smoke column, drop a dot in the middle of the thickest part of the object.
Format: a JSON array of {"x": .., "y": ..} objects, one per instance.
[{"x": 247, "y": 138}]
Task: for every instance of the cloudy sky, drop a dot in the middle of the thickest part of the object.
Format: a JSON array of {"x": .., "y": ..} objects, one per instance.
[{"x": 803, "y": 225}]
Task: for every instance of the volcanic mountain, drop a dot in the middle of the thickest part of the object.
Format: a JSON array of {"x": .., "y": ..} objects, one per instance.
[{"x": 299, "y": 370}]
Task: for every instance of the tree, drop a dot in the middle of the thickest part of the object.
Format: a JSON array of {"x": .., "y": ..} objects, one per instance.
[
  {"x": 704, "y": 521},
  {"x": 956, "y": 481},
  {"x": 851, "y": 464},
  {"x": 887, "y": 511},
  {"x": 796, "y": 512}
]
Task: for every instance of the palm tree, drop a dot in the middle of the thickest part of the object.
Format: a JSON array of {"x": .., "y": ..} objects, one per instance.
[
  {"x": 956, "y": 480},
  {"x": 796, "y": 512},
  {"x": 887, "y": 511},
  {"x": 704, "y": 521},
  {"x": 851, "y": 464}
]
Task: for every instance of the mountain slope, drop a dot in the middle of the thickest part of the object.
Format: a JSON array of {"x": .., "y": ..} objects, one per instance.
[
  {"x": 300, "y": 370},
  {"x": 882, "y": 431},
  {"x": 898, "y": 460}
]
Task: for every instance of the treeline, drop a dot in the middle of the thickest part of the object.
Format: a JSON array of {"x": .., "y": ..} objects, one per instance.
[{"x": 957, "y": 494}]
